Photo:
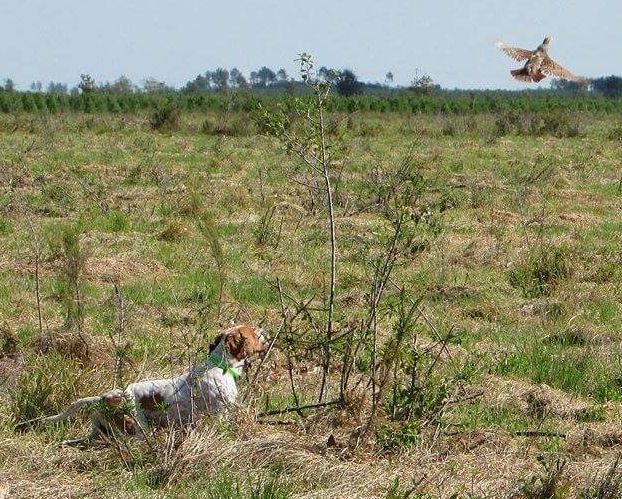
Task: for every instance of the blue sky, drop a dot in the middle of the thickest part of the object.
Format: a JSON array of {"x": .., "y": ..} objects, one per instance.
[{"x": 451, "y": 40}]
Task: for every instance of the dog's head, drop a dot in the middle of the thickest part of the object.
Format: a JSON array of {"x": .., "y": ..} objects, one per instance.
[{"x": 243, "y": 342}]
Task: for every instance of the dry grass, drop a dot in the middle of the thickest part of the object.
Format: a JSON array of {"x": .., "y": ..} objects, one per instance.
[{"x": 137, "y": 197}]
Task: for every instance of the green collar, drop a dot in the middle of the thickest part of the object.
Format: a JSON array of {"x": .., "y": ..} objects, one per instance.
[{"x": 221, "y": 364}]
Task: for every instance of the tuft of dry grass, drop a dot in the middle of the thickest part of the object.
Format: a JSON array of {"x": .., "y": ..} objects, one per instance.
[{"x": 9, "y": 343}]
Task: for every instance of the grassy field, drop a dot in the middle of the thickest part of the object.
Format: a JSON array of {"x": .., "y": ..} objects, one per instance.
[{"x": 513, "y": 259}]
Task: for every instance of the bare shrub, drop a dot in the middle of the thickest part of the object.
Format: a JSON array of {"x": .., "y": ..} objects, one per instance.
[
  {"x": 555, "y": 124},
  {"x": 166, "y": 118},
  {"x": 541, "y": 270},
  {"x": 401, "y": 379}
]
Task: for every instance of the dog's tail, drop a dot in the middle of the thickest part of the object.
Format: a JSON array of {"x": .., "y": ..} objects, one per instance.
[{"x": 57, "y": 418}]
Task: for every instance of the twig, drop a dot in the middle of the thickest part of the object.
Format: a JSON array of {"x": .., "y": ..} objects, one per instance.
[
  {"x": 426, "y": 319},
  {"x": 333, "y": 247},
  {"x": 120, "y": 328},
  {"x": 261, "y": 363},
  {"x": 102, "y": 203},
  {"x": 297, "y": 409},
  {"x": 37, "y": 287},
  {"x": 533, "y": 433},
  {"x": 277, "y": 423},
  {"x": 459, "y": 400},
  {"x": 438, "y": 356},
  {"x": 539, "y": 433},
  {"x": 115, "y": 441},
  {"x": 290, "y": 365}
]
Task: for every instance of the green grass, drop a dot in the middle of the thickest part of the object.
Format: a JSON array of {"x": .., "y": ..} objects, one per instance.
[
  {"x": 571, "y": 369},
  {"x": 517, "y": 256},
  {"x": 256, "y": 291},
  {"x": 113, "y": 221},
  {"x": 220, "y": 485},
  {"x": 479, "y": 416}
]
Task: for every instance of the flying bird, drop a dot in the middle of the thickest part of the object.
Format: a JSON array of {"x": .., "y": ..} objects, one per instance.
[{"x": 538, "y": 64}]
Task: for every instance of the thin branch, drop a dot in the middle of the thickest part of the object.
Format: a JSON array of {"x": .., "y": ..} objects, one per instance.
[
  {"x": 539, "y": 433},
  {"x": 290, "y": 365},
  {"x": 37, "y": 283},
  {"x": 261, "y": 363},
  {"x": 422, "y": 314},
  {"x": 287, "y": 410},
  {"x": 333, "y": 253},
  {"x": 120, "y": 329}
]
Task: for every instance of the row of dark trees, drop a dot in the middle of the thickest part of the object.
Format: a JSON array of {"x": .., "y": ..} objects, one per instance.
[
  {"x": 345, "y": 82},
  {"x": 123, "y": 85},
  {"x": 219, "y": 80},
  {"x": 609, "y": 86},
  {"x": 222, "y": 79}
]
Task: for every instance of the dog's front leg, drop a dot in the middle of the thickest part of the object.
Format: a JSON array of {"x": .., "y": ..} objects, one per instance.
[{"x": 139, "y": 420}]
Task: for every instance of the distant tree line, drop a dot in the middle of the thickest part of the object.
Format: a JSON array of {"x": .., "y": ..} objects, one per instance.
[
  {"x": 222, "y": 88},
  {"x": 344, "y": 81},
  {"x": 609, "y": 86},
  {"x": 222, "y": 79},
  {"x": 218, "y": 80},
  {"x": 426, "y": 101}
]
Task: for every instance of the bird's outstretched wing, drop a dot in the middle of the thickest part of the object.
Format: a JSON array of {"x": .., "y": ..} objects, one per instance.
[
  {"x": 514, "y": 52},
  {"x": 550, "y": 67}
]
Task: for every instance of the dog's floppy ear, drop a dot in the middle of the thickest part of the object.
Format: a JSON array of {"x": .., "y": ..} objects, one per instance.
[
  {"x": 242, "y": 342},
  {"x": 234, "y": 342}
]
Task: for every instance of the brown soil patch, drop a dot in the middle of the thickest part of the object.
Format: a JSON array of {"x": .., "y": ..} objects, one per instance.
[
  {"x": 582, "y": 219},
  {"x": 125, "y": 268},
  {"x": 535, "y": 400},
  {"x": 89, "y": 350},
  {"x": 506, "y": 218},
  {"x": 595, "y": 438},
  {"x": 9, "y": 344}
]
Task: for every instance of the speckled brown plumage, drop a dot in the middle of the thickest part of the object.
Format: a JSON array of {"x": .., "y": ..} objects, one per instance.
[{"x": 538, "y": 64}]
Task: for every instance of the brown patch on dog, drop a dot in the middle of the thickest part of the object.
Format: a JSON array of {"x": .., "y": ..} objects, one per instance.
[
  {"x": 243, "y": 341},
  {"x": 152, "y": 403},
  {"x": 114, "y": 419},
  {"x": 121, "y": 422}
]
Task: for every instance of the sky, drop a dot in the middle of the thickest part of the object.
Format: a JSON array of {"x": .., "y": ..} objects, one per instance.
[{"x": 450, "y": 40}]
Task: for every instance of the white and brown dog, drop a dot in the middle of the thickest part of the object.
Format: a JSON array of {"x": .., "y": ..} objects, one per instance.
[{"x": 208, "y": 387}]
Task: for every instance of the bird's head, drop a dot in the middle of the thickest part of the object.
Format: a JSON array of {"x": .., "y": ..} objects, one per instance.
[{"x": 547, "y": 40}]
